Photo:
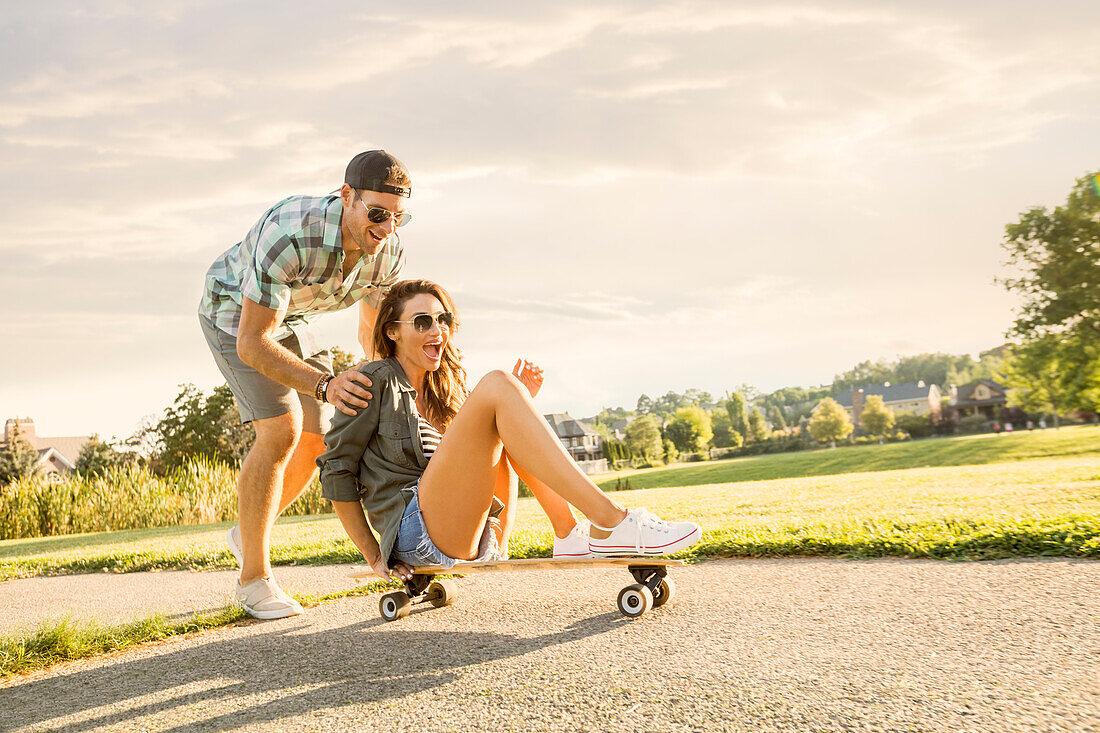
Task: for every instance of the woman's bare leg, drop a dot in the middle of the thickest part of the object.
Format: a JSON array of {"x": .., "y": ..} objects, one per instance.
[
  {"x": 506, "y": 489},
  {"x": 556, "y": 508},
  {"x": 457, "y": 487}
]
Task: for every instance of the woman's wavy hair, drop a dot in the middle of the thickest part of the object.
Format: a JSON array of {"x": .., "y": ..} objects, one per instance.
[{"x": 445, "y": 388}]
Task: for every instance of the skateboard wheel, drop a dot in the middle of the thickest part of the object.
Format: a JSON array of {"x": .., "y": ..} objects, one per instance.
[
  {"x": 442, "y": 593},
  {"x": 664, "y": 593},
  {"x": 634, "y": 600},
  {"x": 394, "y": 605}
]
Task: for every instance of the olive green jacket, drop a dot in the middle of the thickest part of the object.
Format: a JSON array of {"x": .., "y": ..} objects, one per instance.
[{"x": 376, "y": 457}]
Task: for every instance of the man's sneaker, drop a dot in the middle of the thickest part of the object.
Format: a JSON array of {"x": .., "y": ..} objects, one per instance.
[
  {"x": 574, "y": 545},
  {"x": 233, "y": 539},
  {"x": 263, "y": 599},
  {"x": 643, "y": 533}
]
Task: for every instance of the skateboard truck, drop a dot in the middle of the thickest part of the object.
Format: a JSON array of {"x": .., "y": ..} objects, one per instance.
[{"x": 652, "y": 587}]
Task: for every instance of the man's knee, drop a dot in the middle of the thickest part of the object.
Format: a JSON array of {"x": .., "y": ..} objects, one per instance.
[{"x": 278, "y": 435}]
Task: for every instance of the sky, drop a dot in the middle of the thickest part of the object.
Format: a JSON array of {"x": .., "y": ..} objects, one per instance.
[{"x": 639, "y": 196}]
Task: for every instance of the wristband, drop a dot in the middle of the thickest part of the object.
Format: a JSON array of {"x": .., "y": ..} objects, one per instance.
[{"x": 319, "y": 392}]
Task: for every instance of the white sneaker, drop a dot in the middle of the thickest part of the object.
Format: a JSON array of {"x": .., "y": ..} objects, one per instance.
[
  {"x": 263, "y": 599},
  {"x": 233, "y": 539},
  {"x": 643, "y": 533},
  {"x": 574, "y": 545}
]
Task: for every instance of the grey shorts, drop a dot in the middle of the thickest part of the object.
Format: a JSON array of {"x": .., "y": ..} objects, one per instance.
[{"x": 259, "y": 397}]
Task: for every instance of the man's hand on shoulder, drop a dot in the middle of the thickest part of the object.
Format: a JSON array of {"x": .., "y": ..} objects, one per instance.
[{"x": 348, "y": 390}]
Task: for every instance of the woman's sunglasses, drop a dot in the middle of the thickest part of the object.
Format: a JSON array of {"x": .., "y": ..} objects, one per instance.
[
  {"x": 422, "y": 322},
  {"x": 378, "y": 215}
]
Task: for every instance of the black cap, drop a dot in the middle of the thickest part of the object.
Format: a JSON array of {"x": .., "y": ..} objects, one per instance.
[{"x": 377, "y": 170}]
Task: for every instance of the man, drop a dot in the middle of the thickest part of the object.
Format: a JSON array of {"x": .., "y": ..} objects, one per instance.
[{"x": 306, "y": 255}]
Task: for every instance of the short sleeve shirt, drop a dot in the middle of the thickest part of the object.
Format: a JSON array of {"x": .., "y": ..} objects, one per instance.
[{"x": 291, "y": 262}]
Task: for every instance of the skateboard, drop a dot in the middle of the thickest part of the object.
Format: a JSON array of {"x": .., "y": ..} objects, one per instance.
[{"x": 651, "y": 589}]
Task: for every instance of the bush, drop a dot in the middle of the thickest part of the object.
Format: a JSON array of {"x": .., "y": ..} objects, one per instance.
[
  {"x": 973, "y": 424},
  {"x": 130, "y": 497},
  {"x": 918, "y": 426}
]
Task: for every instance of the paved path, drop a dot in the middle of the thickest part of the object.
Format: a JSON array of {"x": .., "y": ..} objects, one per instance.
[
  {"x": 747, "y": 645},
  {"x": 120, "y": 597}
]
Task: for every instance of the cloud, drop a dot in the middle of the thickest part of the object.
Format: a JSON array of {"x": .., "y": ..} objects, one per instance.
[{"x": 726, "y": 186}]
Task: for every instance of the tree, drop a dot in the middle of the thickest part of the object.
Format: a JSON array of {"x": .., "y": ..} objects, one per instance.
[
  {"x": 775, "y": 417},
  {"x": 96, "y": 457},
  {"x": 196, "y": 425},
  {"x": 17, "y": 457},
  {"x": 669, "y": 403},
  {"x": 876, "y": 418},
  {"x": 1058, "y": 255},
  {"x": 830, "y": 422},
  {"x": 866, "y": 372},
  {"x": 643, "y": 438},
  {"x": 342, "y": 360},
  {"x": 689, "y": 430},
  {"x": 645, "y": 405},
  {"x": 670, "y": 452},
  {"x": 735, "y": 407},
  {"x": 724, "y": 435},
  {"x": 698, "y": 397},
  {"x": 757, "y": 428},
  {"x": 1045, "y": 376}
]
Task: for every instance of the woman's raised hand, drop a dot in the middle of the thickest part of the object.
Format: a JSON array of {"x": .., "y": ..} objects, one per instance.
[{"x": 529, "y": 374}]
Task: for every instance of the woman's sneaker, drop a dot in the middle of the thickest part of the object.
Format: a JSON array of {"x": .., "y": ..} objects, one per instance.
[
  {"x": 574, "y": 545},
  {"x": 643, "y": 533}
]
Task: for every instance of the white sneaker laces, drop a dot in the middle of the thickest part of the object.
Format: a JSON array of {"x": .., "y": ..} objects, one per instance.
[{"x": 649, "y": 520}]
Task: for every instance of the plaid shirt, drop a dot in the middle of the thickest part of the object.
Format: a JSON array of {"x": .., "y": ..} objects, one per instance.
[{"x": 291, "y": 262}]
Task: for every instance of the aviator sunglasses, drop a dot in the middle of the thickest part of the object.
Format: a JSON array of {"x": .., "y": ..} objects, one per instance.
[
  {"x": 422, "y": 322},
  {"x": 378, "y": 215}
]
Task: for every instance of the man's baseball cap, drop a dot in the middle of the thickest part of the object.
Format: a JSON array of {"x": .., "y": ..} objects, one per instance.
[{"x": 377, "y": 170}]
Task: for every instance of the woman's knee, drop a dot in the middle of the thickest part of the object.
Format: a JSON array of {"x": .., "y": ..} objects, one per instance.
[{"x": 499, "y": 381}]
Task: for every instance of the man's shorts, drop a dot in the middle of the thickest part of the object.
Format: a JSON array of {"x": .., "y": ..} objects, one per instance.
[{"x": 259, "y": 397}]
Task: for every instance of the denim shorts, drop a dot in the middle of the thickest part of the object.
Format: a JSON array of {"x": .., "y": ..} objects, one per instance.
[{"x": 414, "y": 547}]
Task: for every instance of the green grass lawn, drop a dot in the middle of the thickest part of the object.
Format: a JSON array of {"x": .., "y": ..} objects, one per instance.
[
  {"x": 920, "y": 499},
  {"x": 1022, "y": 508},
  {"x": 970, "y": 450}
]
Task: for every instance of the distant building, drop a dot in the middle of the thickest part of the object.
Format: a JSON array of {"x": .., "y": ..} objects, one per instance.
[
  {"x": 618, "y": 428},
  {"x": 580, "y": 440},
  {"x": 983, "y": 397},
  {"x": 917, "y": 397},
  {"x": 55, "y": 455}
]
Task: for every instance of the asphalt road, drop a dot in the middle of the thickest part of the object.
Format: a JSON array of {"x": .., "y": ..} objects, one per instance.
[{"x": 747, "y": 645}]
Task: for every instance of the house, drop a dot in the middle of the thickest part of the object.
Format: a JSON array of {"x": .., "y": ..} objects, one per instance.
[
  {"x": 55, "y": 455},
  {"x": 917, "y": 397},
  {"x": 618, "y": 428},
  {"x": 983, "y": 397},
  {"x": 580, "y": 440}
]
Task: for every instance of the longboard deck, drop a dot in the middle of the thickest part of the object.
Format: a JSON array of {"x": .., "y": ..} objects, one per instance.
[{"x": 537, "y": 563}]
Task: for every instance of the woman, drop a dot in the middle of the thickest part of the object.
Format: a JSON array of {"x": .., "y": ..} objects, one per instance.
[{"x": 436, "y": 512}]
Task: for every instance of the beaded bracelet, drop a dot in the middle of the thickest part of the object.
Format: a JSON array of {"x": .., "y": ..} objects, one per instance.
[{"x": 319, "y": 391}]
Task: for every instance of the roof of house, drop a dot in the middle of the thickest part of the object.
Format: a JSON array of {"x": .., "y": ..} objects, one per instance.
[
  {"x": 67, "y": 447},
  {"x": 965, "y": 394},
  {"x": 567, "y": 426},
  {"x": 889, "y": 392},
  {"x": 44, "y": 455}
]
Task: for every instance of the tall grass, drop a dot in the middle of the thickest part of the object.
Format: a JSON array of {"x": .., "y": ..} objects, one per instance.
[{"x": 129, "y": 497}]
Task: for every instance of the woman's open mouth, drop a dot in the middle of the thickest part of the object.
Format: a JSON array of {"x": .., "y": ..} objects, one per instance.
[{"x": 433, "y": 351}]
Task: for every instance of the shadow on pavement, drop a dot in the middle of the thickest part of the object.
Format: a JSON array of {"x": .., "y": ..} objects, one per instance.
[{"x": 267, "y": 677}]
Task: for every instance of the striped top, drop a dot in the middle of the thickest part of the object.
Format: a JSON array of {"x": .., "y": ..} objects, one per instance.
[{"x": 429, "y": 437}]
